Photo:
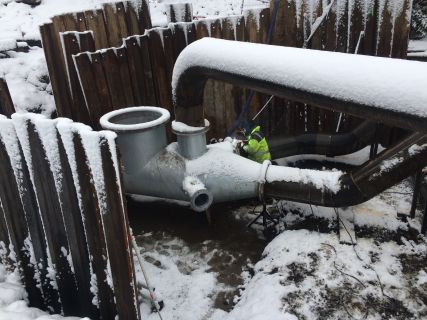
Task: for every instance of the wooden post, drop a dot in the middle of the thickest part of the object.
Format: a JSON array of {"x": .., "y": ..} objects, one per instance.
[
  {"x": 6, "y": 104},
  {"x": 122, "y": 60},
  {"x": 117, "y": 237},
  {"x": 179, "y": 12}
]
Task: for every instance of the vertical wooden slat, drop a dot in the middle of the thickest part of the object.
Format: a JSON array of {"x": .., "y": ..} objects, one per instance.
[
  {"x": 369, "y": 40},
  {"x": 52, "y": 51},
  {"x": 158, "y": 64},
  {"x": 97, "y": 100},
  {"x": 75, "y": 233},
  {"x": 94, "y": 231},
  {"x": 50, "y": 209},
  {"x": 401, "y": 31},
  {"x": 112, "y": 30},
  {"x": 179, "y": 12},
  {"x": 116, "y": 233},
  {"x": 122, "y": 59},
  {"x": 111, "y": 69},
  {"x": 16, "y": 224},
  {"x": 132, "y": 20},
  {"x": 356, "y": 24},
  {"x": 95, "y": 21},
  {"x": 70, "y": 43},
  {"x": 385, "y": 29},
  {"x": 122, "y": 25},
  {"x": 6, "y": 104},
  {"x": 148, "y": 72},
  {"x": 136, "y": 70}
]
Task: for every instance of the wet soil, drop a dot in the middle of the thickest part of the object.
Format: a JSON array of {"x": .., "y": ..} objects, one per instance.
[{"x": 234, "y": 246}]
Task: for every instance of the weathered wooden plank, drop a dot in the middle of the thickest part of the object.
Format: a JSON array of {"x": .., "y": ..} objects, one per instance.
[
  {"x": 158, "y": 65},
  {"x": 117, "y": 237},
  {"x": 144, "y": 15},
  {"x": 342, "y": 25},
  {"x": 136, "y": 70},
  {"x": 179, "y": 12},
  {"x": 356, "y": 24},
  {"x": 132, "y": 20},
  {"x": 94, "y": 231},
  {"x": 112, "y": 30},
  {"x": 385, "y": 29},
  {"x": 111, "y": 69},
  {"x": 50, "y": 209},
  {"x": 70, "y": 45},
  {"x": 179, "y": 37},
  {"x": 95, "y": 21},
  {"x": 202, "y": 28},
  {"x": 16, "y": 225},
  {"x": 81, "y": 21},
  {"x": 370, "y": 37},
  {"x": 121, "y": 22},
  {"x": 122, "y": 59},
  {"x": 93, "y": 98},
  {"x": 6, "y": 105},
  {"x": 148, "y": 72},
  {"x": 52, "y": 51},
  {"x": 75, "y": 233},
  {"x": 401, "y": 31}
]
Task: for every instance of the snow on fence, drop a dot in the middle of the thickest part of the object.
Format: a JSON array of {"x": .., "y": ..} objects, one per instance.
[
  {"x": 109, "y": 25},
  {"x": 63, "y": 221},
  {"x": 138, "y": 70}
]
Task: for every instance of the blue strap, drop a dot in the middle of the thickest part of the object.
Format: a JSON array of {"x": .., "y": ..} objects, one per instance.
[{"x": 247, "y": 104}]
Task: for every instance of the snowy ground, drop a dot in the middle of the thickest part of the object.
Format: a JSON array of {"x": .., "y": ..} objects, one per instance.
[{"x": 224, "y": 272}]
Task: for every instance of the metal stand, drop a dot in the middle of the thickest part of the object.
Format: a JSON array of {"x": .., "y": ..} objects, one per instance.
[{"x": 269, "y": 230}]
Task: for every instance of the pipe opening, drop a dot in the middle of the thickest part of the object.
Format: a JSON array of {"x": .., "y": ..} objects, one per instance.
[
  {"x": 201, "y": 200},
  {"x": 134, "y": 118}
]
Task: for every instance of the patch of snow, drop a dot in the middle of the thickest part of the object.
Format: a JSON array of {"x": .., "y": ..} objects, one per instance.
[{"x": 184, "y": 128}]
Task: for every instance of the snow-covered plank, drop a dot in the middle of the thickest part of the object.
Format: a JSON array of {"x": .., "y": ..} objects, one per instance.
[
  {"x": 42, "y": 167},
  {"x": 103, "y": 296}
]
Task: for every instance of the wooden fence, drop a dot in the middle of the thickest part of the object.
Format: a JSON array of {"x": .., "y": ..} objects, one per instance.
[
  {"x": 63, "y": 221},
  {"x": 109, "y": 25},
  {"x": 139, "y": 70}
]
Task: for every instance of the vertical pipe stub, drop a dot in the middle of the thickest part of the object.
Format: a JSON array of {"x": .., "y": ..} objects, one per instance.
[
  {"x": 191, "y": 140},
  {"x": 141, "y": 134}
]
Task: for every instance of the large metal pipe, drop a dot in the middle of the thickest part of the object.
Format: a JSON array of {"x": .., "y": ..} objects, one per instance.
[
  {"x": 368, "y": 87},
  {"x": 191, "y": 171},
  {"x": 390, "y": 167},
  {"x": 330, "y": 145}
]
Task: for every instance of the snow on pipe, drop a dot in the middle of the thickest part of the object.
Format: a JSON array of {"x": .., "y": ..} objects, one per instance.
[
  {"x": 386, "y": 90},
  {"x": 191, "y": 171},
  {"x": 330, "y": 145}
]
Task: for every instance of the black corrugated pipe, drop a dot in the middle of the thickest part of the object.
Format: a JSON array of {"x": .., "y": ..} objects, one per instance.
[
  {"x": 330, "y": 145},
  {"x": 367, "y": 87},
  {"x": 390, "y": 167}
]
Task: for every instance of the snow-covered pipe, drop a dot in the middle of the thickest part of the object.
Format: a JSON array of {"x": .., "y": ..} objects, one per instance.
[
  {"x": 191, "y": 171},
  {"x": 385, "y": 90}
]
